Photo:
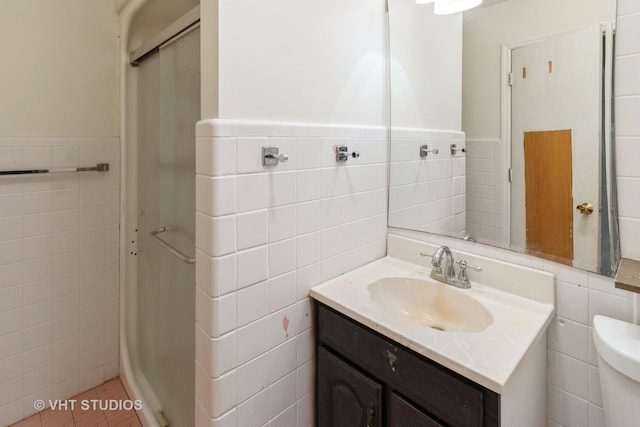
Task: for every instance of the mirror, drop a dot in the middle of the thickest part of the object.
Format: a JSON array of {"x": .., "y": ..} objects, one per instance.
[{"x": 501, "y": 127}]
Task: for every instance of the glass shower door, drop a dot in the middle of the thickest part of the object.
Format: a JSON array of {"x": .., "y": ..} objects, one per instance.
[{"x": 168, "y": 109}]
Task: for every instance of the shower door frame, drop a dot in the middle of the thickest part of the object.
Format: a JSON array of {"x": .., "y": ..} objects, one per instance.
[{"x": 136, "y": 385}]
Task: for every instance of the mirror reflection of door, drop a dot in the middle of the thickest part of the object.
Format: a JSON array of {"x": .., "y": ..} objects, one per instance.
[
  {"x": 548, "y": 195},
  {"x": 555, "y": 131}
]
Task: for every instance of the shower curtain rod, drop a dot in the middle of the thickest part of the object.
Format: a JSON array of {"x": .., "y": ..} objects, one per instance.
[
  {"x": 100, "y": 167},
  {"x": 185, "y": 22}
]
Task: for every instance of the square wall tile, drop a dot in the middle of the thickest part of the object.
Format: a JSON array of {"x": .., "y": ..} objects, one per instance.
[
  {"x": 283, "y": 360},
  {"x": 282, "y": 291},
  {"x": 216, "y": 196},
  {"x": 305, "y": 410},
  {"x": 252, "y": 192},
  {"x": 282, "y": 257},
  {"x": 566, "y": 409},
  {"x": 252, "y": 303},
  {"x": 595, "y": 392},
  {"x": 217, "y": 395},
  {"x": 627, "y": 33},
  {"x": 253, "y": 340},
  {"x": 282, "y": 188},
  {"x": 627, "y": 150},
  {"x": 252, "y": 266},
  {"x": 253, "y": 377},
  {"x": 215, "y": 156},
  {"x": 626, "y": 7},
  {"x": 629, "y": 227},
  {"x": 282, "y": 223},
  {"x": 216, "y": 356},
  {"x": 282, "y": 395},
  {"x": 572, "y": 302},
  {"x": 36, "y": 358},
  {"x": 215, "y": 275},
  {"x": 609, "y": 305},
  {"x": 569, "y": 338},
  {"x": 224, "y": 228},
  {"x": 568, "y": 374},
  {"x": 286, "y": 418},
  {"x": 254, "y": 411},
  {"x": 308, "y": 249},
  {"x": 253, "y": 229},
  {"x": 216, "y": 316}
]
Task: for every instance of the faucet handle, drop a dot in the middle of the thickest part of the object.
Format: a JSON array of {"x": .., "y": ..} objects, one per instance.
[
  {"x": 462, "y": 275},
  {"x": 464, "y": 265}
]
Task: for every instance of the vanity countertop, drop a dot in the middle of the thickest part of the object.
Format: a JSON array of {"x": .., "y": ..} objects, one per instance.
[
  {"x": 628, "y": 276},
  {"x": 489, "y": 357}
]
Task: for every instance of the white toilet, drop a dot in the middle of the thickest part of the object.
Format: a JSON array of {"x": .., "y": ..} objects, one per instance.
[{"x": 618, "y": 346}]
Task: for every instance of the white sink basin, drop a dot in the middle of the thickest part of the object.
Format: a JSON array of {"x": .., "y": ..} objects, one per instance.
[
  {"x": 491, "y": 329},
  {"x": 428, "y": 303}
]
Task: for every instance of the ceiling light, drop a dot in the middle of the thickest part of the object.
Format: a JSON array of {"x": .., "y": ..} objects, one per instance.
[{"x": 446, "y": 7}]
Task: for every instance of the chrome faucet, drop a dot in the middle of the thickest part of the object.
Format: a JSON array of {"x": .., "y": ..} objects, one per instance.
[
  {"x": 449, "y": 275},
  {"x": 436, "y": 262}
]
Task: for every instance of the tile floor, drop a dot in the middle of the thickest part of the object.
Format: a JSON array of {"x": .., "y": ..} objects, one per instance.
[{"x": 111, "y": 390}]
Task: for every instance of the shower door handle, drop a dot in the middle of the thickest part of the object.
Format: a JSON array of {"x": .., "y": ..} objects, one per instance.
[{"x": 154, "y": 235}]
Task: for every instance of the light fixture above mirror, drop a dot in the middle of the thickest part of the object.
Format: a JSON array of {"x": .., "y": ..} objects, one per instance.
[{"x": 447, "y": 7}]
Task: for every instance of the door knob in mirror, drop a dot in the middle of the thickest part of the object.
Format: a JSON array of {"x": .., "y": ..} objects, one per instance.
[{"x": 585, "y": 208}]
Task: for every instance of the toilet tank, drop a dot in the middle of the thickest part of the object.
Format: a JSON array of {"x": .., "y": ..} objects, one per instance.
[{"x": 618, "y": 347}]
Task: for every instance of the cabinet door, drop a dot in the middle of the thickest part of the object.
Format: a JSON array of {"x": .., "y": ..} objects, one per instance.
[
  {"x": 346, "y": 397},
  {"x": 404, "y": 414}
]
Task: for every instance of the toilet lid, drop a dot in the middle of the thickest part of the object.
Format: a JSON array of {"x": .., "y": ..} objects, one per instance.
[{"x": 618, "y": 343}]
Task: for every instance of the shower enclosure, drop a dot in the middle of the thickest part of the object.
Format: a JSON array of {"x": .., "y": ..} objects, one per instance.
[{"x": 159, "y": 301}]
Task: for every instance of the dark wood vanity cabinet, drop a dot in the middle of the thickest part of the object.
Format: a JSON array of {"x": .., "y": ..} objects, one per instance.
[
  {"x": 365, "y": 379},
  {"x": 350, "y": 398}
]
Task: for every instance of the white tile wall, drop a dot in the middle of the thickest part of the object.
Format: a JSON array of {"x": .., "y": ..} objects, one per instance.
[
  {"x": 627, "y": 129},
  {"x": 427, "y": 194},
  {"x": 265, "y": 236},
  {"x": 58, "y": 271},
  {"x": 486, "y": 191}
]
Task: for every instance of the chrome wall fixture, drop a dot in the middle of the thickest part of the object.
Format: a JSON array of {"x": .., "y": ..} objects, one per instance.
[
  {"x": 455, "y": 149},
  {"x": 424, "y": 151},
  {"x": 100, "y": 167},
  {"x": 343, "y": 154},
  {"x": 271, "y": 156}
]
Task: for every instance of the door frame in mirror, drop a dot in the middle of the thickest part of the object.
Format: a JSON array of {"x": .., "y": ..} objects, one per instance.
[{"x": 610, "y": 253}]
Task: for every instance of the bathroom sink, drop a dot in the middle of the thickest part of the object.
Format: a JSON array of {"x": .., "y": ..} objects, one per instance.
[
  {"x": 484, "y": 333},
  {"x": 428, "y": 303}
]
